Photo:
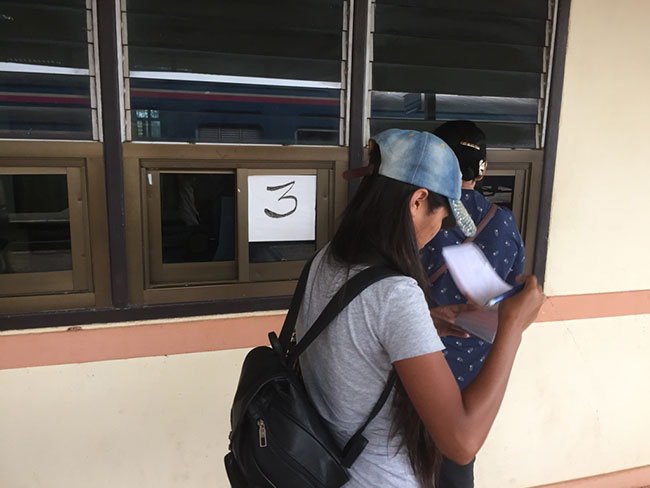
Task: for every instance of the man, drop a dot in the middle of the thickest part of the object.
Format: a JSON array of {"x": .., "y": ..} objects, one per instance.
[{"x": 501, "y": 243}]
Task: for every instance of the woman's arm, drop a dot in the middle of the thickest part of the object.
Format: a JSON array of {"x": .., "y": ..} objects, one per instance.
[{"x": 459, "y": 421}]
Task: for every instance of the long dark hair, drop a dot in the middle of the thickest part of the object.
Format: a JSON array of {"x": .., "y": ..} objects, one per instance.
[{"x": 377, "y": 228}]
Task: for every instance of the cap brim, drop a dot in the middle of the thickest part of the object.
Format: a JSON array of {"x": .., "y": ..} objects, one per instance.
[{"x": 463, "y": 219}]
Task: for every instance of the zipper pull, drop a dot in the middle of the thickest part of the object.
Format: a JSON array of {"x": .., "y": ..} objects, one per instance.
[{"x": 261, "y": 432}]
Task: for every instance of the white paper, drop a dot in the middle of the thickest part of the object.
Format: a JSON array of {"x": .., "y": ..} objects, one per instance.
[
  {"x": 473, "y": 273},
  {"x": 482, "y": 323},
  {"x": 477, "y": 280},
  {"x": 281, "y": 208}
]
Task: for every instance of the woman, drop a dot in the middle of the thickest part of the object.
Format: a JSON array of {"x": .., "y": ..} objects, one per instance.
[{"x": 397, "y": 210}]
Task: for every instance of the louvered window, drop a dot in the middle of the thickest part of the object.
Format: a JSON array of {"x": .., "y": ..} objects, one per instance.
[
  {"x": 236, "y": 72},
  {"x": 47, "y": 79},
  {"x": 434, "y": 61}
]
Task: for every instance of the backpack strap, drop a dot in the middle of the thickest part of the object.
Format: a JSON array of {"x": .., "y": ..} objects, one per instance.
[
  {"x": 292, "y": 315},
  {"x": 353, "y": 287},
  {"x": 358, "y": 442},
  {"x": 479, "y": 228}
]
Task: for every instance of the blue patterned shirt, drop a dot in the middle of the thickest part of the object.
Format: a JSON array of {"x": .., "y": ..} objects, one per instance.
[{"x": 501, "y": 242}]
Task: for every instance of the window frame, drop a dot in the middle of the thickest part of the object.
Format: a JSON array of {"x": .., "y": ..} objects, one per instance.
[
  {"x": 77, "y": 278},
  {"x": 527, "y": 167},
  {"x": 82, "y": 164},
  {"x": 158, "y": 273},
  {"x": 253, "y": 279}
]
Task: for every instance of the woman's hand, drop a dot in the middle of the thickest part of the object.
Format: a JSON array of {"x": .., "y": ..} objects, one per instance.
[
  {"x": 519, "y": 311},
  {"x": 444, "y": 318}
]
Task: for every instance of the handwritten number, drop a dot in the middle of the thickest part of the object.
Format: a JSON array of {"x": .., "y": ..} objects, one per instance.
[{"x": 275, "y": 215}]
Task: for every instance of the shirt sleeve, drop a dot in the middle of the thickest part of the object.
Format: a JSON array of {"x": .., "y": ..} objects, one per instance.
[{"x": 407, "y": 329}]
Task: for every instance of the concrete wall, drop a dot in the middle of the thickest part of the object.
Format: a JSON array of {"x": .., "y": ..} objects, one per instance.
[
  {"x": 578, "y": 399},
  {"x": 600, "y": 213},
  {"x": 577, "y": 405},
  {"x": 158, "y": 422}
]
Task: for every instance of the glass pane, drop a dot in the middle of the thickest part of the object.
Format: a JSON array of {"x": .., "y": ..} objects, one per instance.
[
  {"x": 459, "y": 107},
  {"x": 398, "y": 105},
  {"x": 453, "y": 107},
  {"x": 243, "y": 38},
  {"x": 232, "y": 72},
  {"x": 40, "y": 34},
  {"x": 498, "y": 189},
  {"x": 34, "y": 224},
  {"x": 507, "y": 121},
  {"x": 233, "y": 113},
  {"x": 44, "y": 106},
  {"x": 44, "y": 70},
  {"x": 197, "y": 217}
]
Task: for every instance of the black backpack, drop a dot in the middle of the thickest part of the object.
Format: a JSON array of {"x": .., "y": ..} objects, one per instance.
[{"x": 278, "y": 439}]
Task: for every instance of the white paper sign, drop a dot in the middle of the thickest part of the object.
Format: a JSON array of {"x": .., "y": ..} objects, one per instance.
[{"x": 281, "y": 208}]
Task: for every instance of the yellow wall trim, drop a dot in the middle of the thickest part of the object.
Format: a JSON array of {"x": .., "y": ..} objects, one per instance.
[
  {"x": 629, "y": 478},
  {"x": 82, "y": 345}
]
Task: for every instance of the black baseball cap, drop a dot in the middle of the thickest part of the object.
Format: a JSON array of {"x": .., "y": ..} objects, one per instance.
[{"x": 468, "y": 143}]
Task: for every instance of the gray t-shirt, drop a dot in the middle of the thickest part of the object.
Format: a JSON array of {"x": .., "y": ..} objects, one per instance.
[{"x": 345, "y": 369}]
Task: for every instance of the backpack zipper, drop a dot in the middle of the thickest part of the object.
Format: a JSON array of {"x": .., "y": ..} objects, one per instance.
[{"x": 261, "y": 431}]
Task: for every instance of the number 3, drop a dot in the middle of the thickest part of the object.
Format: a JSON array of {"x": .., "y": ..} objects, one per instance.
[{"x": 275, "y": 215}]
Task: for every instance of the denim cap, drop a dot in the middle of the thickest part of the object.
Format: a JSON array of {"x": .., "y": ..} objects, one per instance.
[{"x": 426, "y": 161}]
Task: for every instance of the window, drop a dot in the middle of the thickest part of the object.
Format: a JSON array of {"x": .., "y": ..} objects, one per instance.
[
  {"x": 239, "y": 225},
  {"x": 49, "y": 90},
  {"x": 513, "y": 181},
  {"x": 234, "y": 72},
  {"x": 43, "y": 229},
  {"x": 231, "y": 73},
  {"x": 192, "y": 227},
  {"x": 482, "y": 61},
  {"x": 47, "y": 79},
  {"x": 35, "y": 217}
]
